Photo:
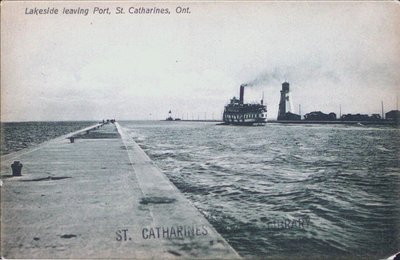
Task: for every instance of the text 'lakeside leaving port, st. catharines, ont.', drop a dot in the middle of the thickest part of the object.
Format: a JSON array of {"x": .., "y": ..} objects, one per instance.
[{"x": 106, "y": 11}]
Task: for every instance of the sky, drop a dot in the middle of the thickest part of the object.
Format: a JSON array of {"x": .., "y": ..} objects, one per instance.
[{"x": 134, "y": 67}]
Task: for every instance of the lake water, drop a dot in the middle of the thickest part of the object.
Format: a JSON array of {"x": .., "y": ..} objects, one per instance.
[
  {"x": 19, "y": 135},
  {"x": 286, "y": 190}
]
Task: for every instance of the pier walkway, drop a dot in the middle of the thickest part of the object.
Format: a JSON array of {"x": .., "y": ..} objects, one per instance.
[{"x": 99, "y": 197}]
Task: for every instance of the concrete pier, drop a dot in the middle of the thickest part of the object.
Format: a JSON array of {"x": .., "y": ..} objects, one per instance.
[{"x": 99, "y": 197}]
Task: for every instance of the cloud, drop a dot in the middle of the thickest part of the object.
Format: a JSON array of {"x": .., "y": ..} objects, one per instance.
[{"x": 331, "y": 53}]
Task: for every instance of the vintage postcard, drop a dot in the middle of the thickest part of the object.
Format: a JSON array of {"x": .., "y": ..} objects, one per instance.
[{"x": 200, "y": 129}]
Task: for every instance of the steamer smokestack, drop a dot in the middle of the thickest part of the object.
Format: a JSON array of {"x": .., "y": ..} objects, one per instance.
[{"x": 242, "y": 93}]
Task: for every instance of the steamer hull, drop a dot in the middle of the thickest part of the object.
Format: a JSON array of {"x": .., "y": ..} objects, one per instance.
[
  {"x": 238, "y": 113},
  {"x": 245, "y": 114}
]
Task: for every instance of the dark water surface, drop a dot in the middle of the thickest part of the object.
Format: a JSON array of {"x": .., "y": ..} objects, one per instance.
[
  {"x": 286, "y": 190},
  {"x": 20, "y": 135}
]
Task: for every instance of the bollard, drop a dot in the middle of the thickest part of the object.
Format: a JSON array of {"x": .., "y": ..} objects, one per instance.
[
  {"x": 71, "y": 139},
  {"x": 16, "y": 168}
]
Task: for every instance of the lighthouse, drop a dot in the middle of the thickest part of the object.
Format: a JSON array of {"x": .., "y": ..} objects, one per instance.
[
  {"x": 284, "y": 112},
  {"x": 284, "y": 100}
]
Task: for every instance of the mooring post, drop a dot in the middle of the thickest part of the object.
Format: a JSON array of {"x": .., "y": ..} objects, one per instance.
[{"x": 16, "y": 168}]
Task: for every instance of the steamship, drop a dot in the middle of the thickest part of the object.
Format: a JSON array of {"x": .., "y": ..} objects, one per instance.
[{"x": 239, "y": 113}]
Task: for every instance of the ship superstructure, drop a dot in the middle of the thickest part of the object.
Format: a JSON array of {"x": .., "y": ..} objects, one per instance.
[{"x": 239, "y": 113}]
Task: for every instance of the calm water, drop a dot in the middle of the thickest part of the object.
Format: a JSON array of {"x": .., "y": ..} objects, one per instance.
[
  {"x": 286, "y": 190},
  {"x": 279, "y": 190}
]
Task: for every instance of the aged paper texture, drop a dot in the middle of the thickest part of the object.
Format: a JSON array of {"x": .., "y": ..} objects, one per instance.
[{"x": 188, "y": 129}]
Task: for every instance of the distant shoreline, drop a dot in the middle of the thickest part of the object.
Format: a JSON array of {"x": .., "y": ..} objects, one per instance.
[
  {"x": 335, "y": 122},
  {"x": 302, "y": 122},
  {"x": 194, "y": 120}
]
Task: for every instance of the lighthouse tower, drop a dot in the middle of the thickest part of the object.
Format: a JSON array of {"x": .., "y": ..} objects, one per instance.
[{"x": 284, "y": 101}]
